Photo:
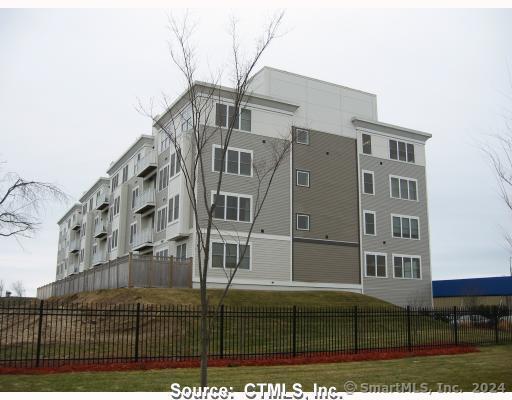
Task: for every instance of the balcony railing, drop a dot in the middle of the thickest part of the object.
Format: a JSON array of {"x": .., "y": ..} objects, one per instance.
[
  {"x": 100, "y": 230},
  {"x": 144, "y": 202},
  {"x": 74, "y": 246},
  {"x": 143, "y": 240},
  {"x": 99, "y": 258},
  {"x": 103, "y": 201},
  {"x": 76, "y": 222},
  {"x": 146, "y": 165}
]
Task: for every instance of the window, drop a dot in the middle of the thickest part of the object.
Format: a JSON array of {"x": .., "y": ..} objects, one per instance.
[
  {"x": 116, "y": 206},
  {"x": 94, "y": 249},
  {"x": 241, "y": 119},
  {"x": 82, "y": 255},
  {"x": 236, "y": 161},
  {"x": 115, "y": 235},
  {"x": 302, "y": 136},
  {"x": 125, "y": 174},
  {"x": 401, "y": 151},
  {"x": 133, "y": 231},
  {"x": 367, "y": 144},
  {"x": 173, "y": 164},
  {"x": 186, "y": 120},
  {"x": 90, "y": 205},
  {"x": 403, "y": 188},
  {"x": 302, "y": 178},
  {"x": 174, "y": 208},
  {"x": 375, "y": 264},
  {"x": 405, "y": 227},
  {"x": 162, "y": 253},
  {"x": 368, "y": 182},
  {"x": 115, "y": 182},
  {"x": 228, "y": 255},
  {"x": 407, "y": 267},
  {"x": 84, "y": 209},
  {"x": 135, "y": 194},
  {"x": 232, "y": 207},
  {"x": 181, "y": 251},
  {"x": 163, "y": 177},
  {"x": 161, "y": 219},
  {"x": 369, "y": 223},
  {"x": 165, "y": 141},
  {"x": 302, "y": 222},
  {"x": 82, "y": 231}
]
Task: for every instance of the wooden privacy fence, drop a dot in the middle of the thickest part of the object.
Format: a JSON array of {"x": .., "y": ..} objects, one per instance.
[{"x": 127, "y": 271}]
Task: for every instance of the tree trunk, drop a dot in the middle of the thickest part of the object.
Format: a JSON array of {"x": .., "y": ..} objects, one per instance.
[{"x": 205, "y": 337}]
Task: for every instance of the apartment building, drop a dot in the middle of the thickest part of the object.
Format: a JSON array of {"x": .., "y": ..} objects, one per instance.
[{"x": 346, "y": 211}]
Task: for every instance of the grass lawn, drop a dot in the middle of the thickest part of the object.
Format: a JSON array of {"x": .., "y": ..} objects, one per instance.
[{"x": 492, "y": 364}]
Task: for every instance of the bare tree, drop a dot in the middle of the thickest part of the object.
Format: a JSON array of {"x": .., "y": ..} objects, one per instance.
[
  {"x": 18, "y": 288},
  {"x": 1, "y": 287},
  {"x": 198, "y": 112},
  {"x": 21, "y": 204}
]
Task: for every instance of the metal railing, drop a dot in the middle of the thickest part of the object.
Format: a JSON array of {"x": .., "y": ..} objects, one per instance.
[
  {"x": 103, "y": 201},
  {"x": 74, "y": 245},
  {"x": 99, "y": 258},
  {"x": 100, "y": 229},
  {"x": 51, "y": 333},
  {"x": 143, "y": 236},
  {"x": 76, "y": 221},
  {"x": 146, "y": 163},
  {"x": 145, "y": 199}
]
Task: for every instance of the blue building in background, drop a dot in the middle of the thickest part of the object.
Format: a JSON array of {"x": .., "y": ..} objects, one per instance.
[{"x": 473, "y": 292}]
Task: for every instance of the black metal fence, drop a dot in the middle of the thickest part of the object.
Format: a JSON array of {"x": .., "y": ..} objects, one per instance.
[{"x": 50, "y": 333}]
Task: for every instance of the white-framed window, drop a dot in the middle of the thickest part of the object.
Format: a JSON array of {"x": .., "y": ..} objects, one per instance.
[
  {"x": 125, "y": 174},
  {"x": 161, "y": 218},
  {"x": 406, "y": 267},
  {"x": 90, "y": 206},
  {"x": 113, "y": 242},
  {"x": 401, "y": 151},
  {"x": 405, "y": 226},
  {"x": 368, "y": 182},
  {"x": 302, "y": 136},
  {"x": 367, "y": 143},
  {"x": 82, "y": 255},
  {"x": 227, "y": 255},
  {"x": 174, "y": 165},
  {"x": 375, "y": 264},
  {"x": 116, "y": 207},
  {"x": 181, "y": 251},
  {"x": 232, "y": 207},
  {"x": 165, "y": 141},
  {"x": 225, "y": 114},
  {"x": 302, "y": 222},
  {"x": 403, "y": 188},
  {"x": 133, "y": 231},
  {"x": 114, "y": 184},
  {"x": 174, "y": 208},
  {"x": 162, "y": 253},
  {"x": 135, "y": 195},
  {"x": 163, "y": 177},
  {"x": 186, "y": 120},
  {"x": 369, "y": 220},
  {"x": 302, "y": 178},
  {"x": 84, "y": 209},
  {"x": 236, "y": 161},
  {"x": 94, "y": 249}
]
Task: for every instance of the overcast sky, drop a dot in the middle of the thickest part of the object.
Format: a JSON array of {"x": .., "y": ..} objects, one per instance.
[{"x": 70, "y": 80}]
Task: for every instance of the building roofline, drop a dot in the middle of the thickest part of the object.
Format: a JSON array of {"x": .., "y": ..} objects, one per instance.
[
  {"x": 76, "y": 206},
  {"x": 309, "y": 77},
  {"x": 100, "y": 181},
  {"x": 371, "y": 124},
  {"x": 138, "y": 142},
  {"x": 250, "y": 95}
]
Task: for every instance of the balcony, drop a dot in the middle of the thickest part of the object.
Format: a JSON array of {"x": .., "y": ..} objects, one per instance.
[
  {"x": 147, "y": 165},
  {"x": 100, "y": 230},
  {"x": 143, "y": 240},
  {"x": 103, "y": 201},
  {"x": 76, "y": 222},
  {"x": 99, "y": 258},
  {"x": 145, "y": 202},
  {"x": 74, "y": 246}
]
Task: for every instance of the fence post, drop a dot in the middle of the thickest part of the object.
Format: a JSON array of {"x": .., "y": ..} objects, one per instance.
[
  {"x": 409, "y": 339},
  {"x": 221, "y": 335},
  {"x": 137, "y": 326},
  {"x": 356, "y": 349},
  {"x": 39, "y": 333},
  {"x": 455, "y": 326},
  {"x": 496, "y": 325},
  {"x": 294, "y": 331},
  {"x": 171, "y": 260}
]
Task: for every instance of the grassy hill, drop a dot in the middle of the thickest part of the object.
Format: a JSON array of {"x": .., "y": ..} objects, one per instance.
[{"x": 235, "y": 297}]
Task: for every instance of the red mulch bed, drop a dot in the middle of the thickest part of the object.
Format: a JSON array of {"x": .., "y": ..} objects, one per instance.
[{"x": 366, "y": 355}]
